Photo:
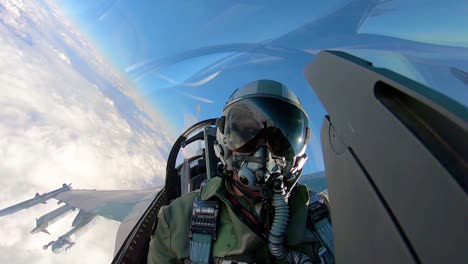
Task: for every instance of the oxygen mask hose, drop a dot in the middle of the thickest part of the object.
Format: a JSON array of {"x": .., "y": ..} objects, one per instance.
[{"x": 276, "y": 238}]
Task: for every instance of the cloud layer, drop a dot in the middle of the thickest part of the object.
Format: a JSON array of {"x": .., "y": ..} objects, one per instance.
[{"x": 66, "y": 117}]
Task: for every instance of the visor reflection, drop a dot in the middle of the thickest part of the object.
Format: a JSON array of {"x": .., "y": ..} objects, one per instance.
[{"x": 283, "y": 125}]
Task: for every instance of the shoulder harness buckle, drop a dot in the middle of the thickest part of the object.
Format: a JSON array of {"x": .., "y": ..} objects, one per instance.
[
  {"x": 203, "y": 226},
  {"x": 204, "y": 217}
]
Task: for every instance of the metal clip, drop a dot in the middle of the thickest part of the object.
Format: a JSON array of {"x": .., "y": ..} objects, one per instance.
[
  {"x": 204, "y": 217},
  {"x": 317, "y": 209}
]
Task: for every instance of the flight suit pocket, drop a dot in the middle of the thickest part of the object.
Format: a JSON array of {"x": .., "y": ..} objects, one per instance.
[{"x": 226, "y": 240}]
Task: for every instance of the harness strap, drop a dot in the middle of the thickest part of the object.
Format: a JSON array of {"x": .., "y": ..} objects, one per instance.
[
  {"x": 319, "y": 222},
  {"x": 200, "y": 248},
  {"x": 203, "y": 230}
]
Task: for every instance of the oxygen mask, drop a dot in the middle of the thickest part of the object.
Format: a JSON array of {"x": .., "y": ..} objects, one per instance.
[{"x": 257, "y": 171}]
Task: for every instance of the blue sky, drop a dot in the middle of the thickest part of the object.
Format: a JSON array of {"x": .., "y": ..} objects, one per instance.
[{"x": 184, "y": 53}]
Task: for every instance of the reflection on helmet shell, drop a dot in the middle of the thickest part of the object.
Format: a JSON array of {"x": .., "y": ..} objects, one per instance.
[
  {"x": 268, "y": 111},
  {"x": 262, "y": 88}
]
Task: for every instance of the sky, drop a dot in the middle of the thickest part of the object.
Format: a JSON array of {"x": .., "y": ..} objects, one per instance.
[
  {"x": 182, "y": 54},
  {"x": 95, "y": 92}
]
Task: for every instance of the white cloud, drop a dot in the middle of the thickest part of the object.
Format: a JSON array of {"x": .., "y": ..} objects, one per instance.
[{"x": 57, "y": 127}]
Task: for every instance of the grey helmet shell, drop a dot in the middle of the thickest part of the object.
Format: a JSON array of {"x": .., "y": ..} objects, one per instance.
[
  {"x": 264, "y": 88},
  {"x": 259, "y": 88}
]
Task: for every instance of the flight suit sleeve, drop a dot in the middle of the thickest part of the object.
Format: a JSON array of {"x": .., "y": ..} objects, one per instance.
[{"x": 160, "y": 245}]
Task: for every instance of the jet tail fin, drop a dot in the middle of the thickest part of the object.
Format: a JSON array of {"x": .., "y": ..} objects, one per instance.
[{"x": 45, "y": 231}]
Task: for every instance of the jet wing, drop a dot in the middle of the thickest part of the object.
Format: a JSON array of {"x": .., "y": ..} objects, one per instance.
[
  {"x": 112, "y": 204},
  {"x": 124, "y": 206}
]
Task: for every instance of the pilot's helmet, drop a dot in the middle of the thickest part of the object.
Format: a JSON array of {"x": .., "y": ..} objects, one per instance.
[{"x": 263, "y": 113}]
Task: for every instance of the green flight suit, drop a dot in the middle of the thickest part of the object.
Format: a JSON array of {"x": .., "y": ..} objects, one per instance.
[{"x": 235, "y": 241}]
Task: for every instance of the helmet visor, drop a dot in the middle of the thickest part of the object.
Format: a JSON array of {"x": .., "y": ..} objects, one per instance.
[{"x": 255, "y": 120}]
